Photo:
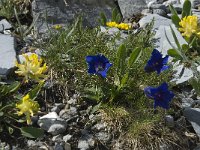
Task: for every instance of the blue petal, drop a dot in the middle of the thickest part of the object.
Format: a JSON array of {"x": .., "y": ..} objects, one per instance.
[
  {"x": 90, "y": 59},
  {"x": 165, "y": 60},
  {"x": 164, "y": 68},
  {"x": 102, "y": 58},
  {"x": 95, "y": 61},
  {"x": 156, "y": 54},
  {"x": 161, "y": 103},
  {"x": 165, "y": 98},
  {"x": 102, "y": 73},
  {"x": 163, "y": 87},
  {"x": 91, "y": 69},
  {"x": 108, "y": 65},
  {"x": 150, "y": 92}
]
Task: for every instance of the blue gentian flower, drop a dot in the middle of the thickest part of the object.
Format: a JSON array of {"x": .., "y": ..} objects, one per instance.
[
  {"x": 161, "y": 95},
  {"x": 156, "y": 62},
  {"x": 98, "y": 64}
]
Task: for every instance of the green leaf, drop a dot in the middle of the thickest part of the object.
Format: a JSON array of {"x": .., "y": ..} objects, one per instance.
[
  {"x": 95, "y": 108},
  {"x": 32, "y": 132},
  {"x": 173, "y": 10},
  {"x": 14, "y": 86},
  {"x": 173, "y": 53},
  {"x": 195, "y": 84},
  {"x": 116, "y": 81},
  {"x": 121, "y": 58},
  {"x": 1, "y": 114},
  {"x": 135, "y": 55},
  {"x": 185, "y": 48},
  {"x": 103, "y": 19},
  {"x": 176, "y": 20},
  {"x": 124, "y": 80},
  {"x": 175, "y": 17},
  {"x": 35, "y": 91},
  {"x": 118, "y": 18},
  {"x": 175, "y": 38},
  {"x": 186, "y": 8},
  {"x": 114, "y": 14},
  {"x": 10, "y": 130},
  {"x": 6, "y": 89}
]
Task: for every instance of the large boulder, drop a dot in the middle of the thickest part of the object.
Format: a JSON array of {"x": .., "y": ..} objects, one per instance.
[
  {"x": 63, "y": 12},
  {"x": 7, "y": 54},
  {"x": 129, "y": 8}
]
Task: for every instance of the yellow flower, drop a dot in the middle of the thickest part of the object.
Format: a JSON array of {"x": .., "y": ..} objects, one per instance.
[
  {"x": 27, "y": 107},
  {"x": 123, "y": 26},
  {"x": 111, "y": 24},
  {"x": 189, "y": 26},
  {"x": 31, "y": 68},
  {"x": 57, "y": 27}
]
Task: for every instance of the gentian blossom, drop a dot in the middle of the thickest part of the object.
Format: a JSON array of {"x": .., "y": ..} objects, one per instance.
[
  {"x": 98, "y": 64},
  {"x": 156, "y": 62},
  {"x": 161, "y": 95}
]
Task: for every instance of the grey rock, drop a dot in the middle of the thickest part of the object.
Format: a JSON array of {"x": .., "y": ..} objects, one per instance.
[
  {"x": 197, "y": 147},
  {"x": 4, "y": 25},
  {"x": 67, "y": 146},
  {"x": 99, "y": 126},
  {"x": 169, "y": 120},
  {"x": 67, "y": 137},
  {"x": 160, "y": 12},
  {"x": 162, "y": 43},
  {"x": 192, "y": 114},
  {"x": 146, "y": 12},
  {"x": 131, "y": 7},
  {"x": 72, "y": 101},
  {"x": 164, "y": 146},
  {"x": 43, "y": 147},
  {"x": 87, "y": 138},
  {"x": 64, "y": 12},
  {"x": 57, "y": 128},
  {"x": 57, "y": 138},
  {"x": 157, "y": 6},
  {"x": 181, "y": 122},
  {"x": 158, "y": 21},
  {"x": 32, "y": 143},
  {"x": 68, "y": 113},
  {"x": 172, "y": 2},
  {"x": 179, "y": 69},
  {"x": 55, "y": 109},
  {"x": 83, "y": 145},
  {"x": 187, "y": 102},
  {"x": 7, "y": 54},
  {"x": 58, "y": 147},
  {"x": 178, "y": 8},
  {"x": 103, "y": 136},
  {"x": 196, "y": 13},
  {"x": 52, "y": 123}
]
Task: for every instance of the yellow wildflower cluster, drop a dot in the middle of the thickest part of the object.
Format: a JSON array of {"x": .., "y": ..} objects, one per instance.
[
  {"x": 28, "y": 107},
  {"x": 123, "y": 26},
  {"x": 31, "y": 68},
  {"x": 189, "y": 26},
  {"x": 57, "y": 27}
]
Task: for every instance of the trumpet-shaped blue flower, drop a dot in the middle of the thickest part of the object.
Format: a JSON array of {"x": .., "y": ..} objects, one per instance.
[
  {"x": 98, "y": 64},
  {"x": 156, "y": 62},
  {"x": 161, "y": 95}
]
